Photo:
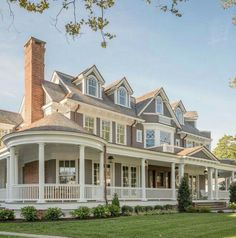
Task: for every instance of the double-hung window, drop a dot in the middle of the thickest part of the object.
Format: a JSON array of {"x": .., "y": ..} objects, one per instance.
[
  {"x": 92, "y": 87},
  {"x": 67, "y": 171},
  {"x": 120, "y": 134},
  {"x": 122, "y": 97},
  {"x": 139, "y": 136},
  {"x": 150, "y": 138},
  {"x": 96, "y": 174},
  {"x": 106, "y": 130},
  {"x": 89, "y": 124}
]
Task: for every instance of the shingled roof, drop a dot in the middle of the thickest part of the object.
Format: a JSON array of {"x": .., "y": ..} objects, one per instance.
[
  {"x": 191, "y": 115},
  {"x": 55, "y": 122},
  {"x": 55, "y": 91},
  {"x": 147, "y": 95},
  {"x": 12, "y": 118}
]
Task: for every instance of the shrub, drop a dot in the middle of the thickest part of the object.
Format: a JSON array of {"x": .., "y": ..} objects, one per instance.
[
  {"x": 204, "y": 209},
  {"x": 53, "y": 214},
  {"x": 158, "y": 207},
  {"x": 139, "y": 209},
  {"x": 184, "y": 195},
  {"x": 168, "y": 207},
  {"x": 114, "y": 210},
  {"x": 81, "y": 213},
  {"x": 7, "y": 215},
  {"x": 191, "y": 209},
  {"x": 115, "y": 200},
  {"x": 101, "y": 211},
  {"x": 232, "y": 191},
  {"x": 148, "y": 208},
  {"x": 127, "y": 210},
  {"x": 220, "y": 211},
  {"x": 232, "y": 206},
  {"x": 29, "y": 213}
]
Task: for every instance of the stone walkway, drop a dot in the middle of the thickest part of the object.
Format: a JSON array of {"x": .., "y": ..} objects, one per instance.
[{"x": 28, "y": 235}]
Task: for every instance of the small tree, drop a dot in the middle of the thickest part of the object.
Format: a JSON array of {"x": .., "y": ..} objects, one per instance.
[
  {"x": 184, "y": 195},
  {"x": 115, "y": 200},
  {"x": 232, "y": 192}
]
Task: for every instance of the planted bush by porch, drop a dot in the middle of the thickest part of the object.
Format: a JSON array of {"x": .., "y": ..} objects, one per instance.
[
  {"x": 127, "y": 210},
  {"x": 81, "y": 213},
  {"x": 29, "y": 213},
  {"x": 115, "y": 200},
  {"x": 53, "y": 214},
  {"x": 7, "y": 215},
  {"x": 101, "y": 211},
  {"x": 184, "y": 195},
  {"x": 232, "y": 191}
]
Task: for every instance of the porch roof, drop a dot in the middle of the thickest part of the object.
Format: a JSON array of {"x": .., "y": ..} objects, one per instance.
[{"x": 55, "y": 122}]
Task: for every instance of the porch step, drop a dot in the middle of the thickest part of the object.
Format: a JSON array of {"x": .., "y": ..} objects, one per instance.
[{"x": 211, "y": 205}]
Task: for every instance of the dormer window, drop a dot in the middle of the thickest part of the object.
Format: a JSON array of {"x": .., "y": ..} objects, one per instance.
[
  {"x": 92, "y": 87},
  {"x": 159, "y": 105},
  {"x": 122, "y": 97},
  {"x": 179, "y": 115}
]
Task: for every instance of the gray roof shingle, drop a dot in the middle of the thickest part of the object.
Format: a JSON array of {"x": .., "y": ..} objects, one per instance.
[
  {"x": 55, "y": 91},
  {"x": 12, "y": 118}
]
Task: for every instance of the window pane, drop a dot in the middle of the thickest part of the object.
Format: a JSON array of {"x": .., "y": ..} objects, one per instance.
[
  {"x": 133, "y": 177},
  {"x": 150, "y": 138},
  {"x": 120, "y": 134},
  {"x": 89, "y": 124},
  {"x": 125, "y": 176},
  {"x": 96, "y": 174},
  {"x": 92, "y": 87},
  {"x": 165, "y": 137},
  {"x": 122, "y": 97},
  {"x": 106, "y": 130},
  {"x": 159, "y": 105},
  {"x": 67, "y": 171}
]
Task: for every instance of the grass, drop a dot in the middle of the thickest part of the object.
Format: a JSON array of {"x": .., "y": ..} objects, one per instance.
[{"x": 173, "y": 226}]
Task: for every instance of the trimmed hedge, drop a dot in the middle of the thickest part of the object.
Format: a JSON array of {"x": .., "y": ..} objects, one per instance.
[
  {"x": 7, "y": 215},
  {"x": 81, "y": 213},
  {"x": 53, "y": 214},
  {"x": 127, "y": 210},
  {"x": 29, "y": 213}
]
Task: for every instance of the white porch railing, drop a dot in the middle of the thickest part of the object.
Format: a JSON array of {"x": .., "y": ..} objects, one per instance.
[
  {"x": 158, "y": 193},
  {"x": 25, "y": 192},
  {"x": 124, "y": 193},
  {"x": 93, "y": 192},
  {"x": 222, "y": 194},
  {"x": 54, "y": 192},
  {"x": 3, "y": 194}
]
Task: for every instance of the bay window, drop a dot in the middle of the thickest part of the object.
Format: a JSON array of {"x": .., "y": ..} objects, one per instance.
[{"x": 165, "y": 137}]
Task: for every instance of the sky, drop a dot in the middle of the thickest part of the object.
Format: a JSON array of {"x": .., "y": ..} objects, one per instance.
[{"x": 192, "y": 57}]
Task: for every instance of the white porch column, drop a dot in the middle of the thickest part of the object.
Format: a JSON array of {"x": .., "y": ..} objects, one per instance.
[
  {"x": 8, "y": 179},
  {"x": 41, "y": 172},
  {"x": 173, "y": 181},
  {"x": 11, "y": 173},
  {"x": 181, "y": 172},
  {"x": 82, "y": 173},
  {"x": 210, "y": 180},
  {"x": 16, "y": 168},
  {"x": 216, "y": 185},
  {"x": 226, "y": 184},
  {"x": 101, "y": 168},
  {"x": 143, "y": 180}
]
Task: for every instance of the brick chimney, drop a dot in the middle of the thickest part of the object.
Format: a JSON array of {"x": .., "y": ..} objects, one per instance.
[{"x": 34, "y": 51}]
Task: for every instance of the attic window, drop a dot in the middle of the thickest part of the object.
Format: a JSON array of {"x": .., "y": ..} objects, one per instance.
[
  {"x": 122, "y": 97},
  {"x": 179, "y": 115},
  {"x": 92, "y": 87},
  {"x": 159, "y": 105}
]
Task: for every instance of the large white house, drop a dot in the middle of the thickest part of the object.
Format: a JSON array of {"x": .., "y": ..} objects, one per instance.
[{"x": 77, "y": 140}]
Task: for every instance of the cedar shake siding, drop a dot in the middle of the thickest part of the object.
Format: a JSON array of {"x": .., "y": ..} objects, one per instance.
[
  {"x": 98, "y": 121},
  {"x": 88, "y": 173},
  {"x": 113, "y": 132},
  {"x": 136, "y": 144},
  {"x": 34, "y": 77},
  {"x": 128, "y": 135},
  {"x": 77, "y": 117}
]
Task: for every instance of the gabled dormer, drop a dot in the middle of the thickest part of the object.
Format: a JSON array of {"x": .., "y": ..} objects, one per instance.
[
  {"x": 120, "y": 91},
  {"x": 90, "y": 82},
  {"x": 179, "y": 110}
]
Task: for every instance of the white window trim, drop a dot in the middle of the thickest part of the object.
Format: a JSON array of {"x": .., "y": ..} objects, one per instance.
[
  {"x": 111, "y": 134},
  {"x": 95, "y": 122},
  {"x": 99, "y": 87},
  {"x": 137, "y": 139},
  {"x": 125, "y": 134}
]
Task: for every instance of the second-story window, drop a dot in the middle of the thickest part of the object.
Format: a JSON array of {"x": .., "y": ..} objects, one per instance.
[
  {"x": 139, "y": 136},
  {"x": 122, "y": 97},
  {"x": 165, "y": 137},
  {"x": 106, "y": 130},
  {"x": 150, "y": 138},
  {"x": 89, "y": 124},
  {"x": 120, "y": 134},
  {"x": 159, "y": 105},
  {"x": 92, "y": 87}
]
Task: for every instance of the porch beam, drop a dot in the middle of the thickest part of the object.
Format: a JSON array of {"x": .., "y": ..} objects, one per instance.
[
  {"x": 82, "y": 173},
  {"x": 41, "y": 173},
  {"x": 173, "y": 181},
  {"x": 143, "y": 165}
]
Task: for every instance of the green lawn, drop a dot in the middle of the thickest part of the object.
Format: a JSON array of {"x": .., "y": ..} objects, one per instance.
[{"x": 173, "y": 226}]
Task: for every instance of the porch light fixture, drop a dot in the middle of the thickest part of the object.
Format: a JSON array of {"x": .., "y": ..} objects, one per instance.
[
  {"x": 110, "y": 159},
  {"x": 205, "y": 171}
]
